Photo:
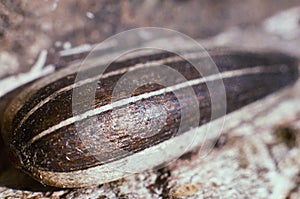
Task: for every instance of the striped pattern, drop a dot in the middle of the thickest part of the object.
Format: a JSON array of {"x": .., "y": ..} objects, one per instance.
[
  {"x": 194, "y": 82},
  {"x": 49, "y": 137}
]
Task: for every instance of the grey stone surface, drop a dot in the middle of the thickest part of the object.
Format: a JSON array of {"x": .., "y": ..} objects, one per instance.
[{"x": 258, "y": 153}]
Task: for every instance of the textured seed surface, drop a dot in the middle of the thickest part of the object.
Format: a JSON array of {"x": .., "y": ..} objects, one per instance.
[{"x": 46, "y": 135}]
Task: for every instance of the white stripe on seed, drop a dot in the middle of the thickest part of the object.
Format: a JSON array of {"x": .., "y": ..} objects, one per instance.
[
  {"x": 90, "y": 113},
  {"x": 109, "y": 74}
]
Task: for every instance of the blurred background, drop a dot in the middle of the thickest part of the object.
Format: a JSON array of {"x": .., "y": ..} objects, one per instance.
[
  {"x": 27, "y": 27},
  {"x": 257, "y": 157}
]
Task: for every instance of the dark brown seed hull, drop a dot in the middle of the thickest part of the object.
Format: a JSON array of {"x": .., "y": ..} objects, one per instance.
[{"x": 131, "y": 128}]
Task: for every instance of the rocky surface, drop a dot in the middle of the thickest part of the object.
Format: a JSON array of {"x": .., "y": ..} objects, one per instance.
[{"x": 257, "y": 155}]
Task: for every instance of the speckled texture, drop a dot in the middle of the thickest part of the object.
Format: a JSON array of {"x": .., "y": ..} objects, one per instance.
[{"x": 271, "y": 172}]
